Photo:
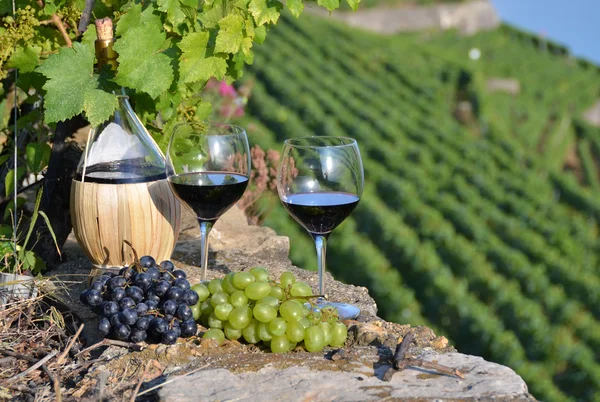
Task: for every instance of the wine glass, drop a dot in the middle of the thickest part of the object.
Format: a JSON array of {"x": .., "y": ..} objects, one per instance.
[
  {"x": 208, "y": 166},
  {"x": 320, "y": 181}
]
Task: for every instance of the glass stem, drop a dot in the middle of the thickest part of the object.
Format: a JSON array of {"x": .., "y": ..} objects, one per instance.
[
  {"x": 321, "y": 244},
  {"x": 205, "y": 228}
]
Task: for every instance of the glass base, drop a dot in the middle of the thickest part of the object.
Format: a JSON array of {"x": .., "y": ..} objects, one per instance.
[{"x": 345, "y": 311}]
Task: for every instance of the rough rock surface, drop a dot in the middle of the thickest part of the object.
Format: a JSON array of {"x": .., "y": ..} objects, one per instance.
[
  {"x": 236, "y": 371},
  {"x": 469, "y": 17}
]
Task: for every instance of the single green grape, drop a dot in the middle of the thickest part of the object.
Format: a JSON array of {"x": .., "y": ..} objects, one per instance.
[
  {"x": 214, "y": 286},
  {"x": 241, "y": 280},
  {"x": 287, "y": 279},
  {"x": 238, "y": 299},
  {"x": 214, "y": 322},
  {"x": 278, "y": 326},
  {"x": 222, "y": 311},
  {"x": 264, "y": 312},
  {"x": 304, "y": 322},
  {"x": 240, "y": 317},
  {"x": 314, "y": 340},
  {"x": 219, "y": 298},
  {"x": 230, "y": 332},
  {"x": 294, "y": 331},
  {"x": 202, "y": 290},
  {"x": 257, "y": 290},
  {"x": 270, "y": 300},
  {"x": 327, "y": 332},
  {"x": 339, "y": 333},
  {"x": 227, "y": 283},
  {"x": 250, "y": 333},
  {"x": 290, "y": 311},
  {"x": 260, "y": 274},
  {"x": 301, "y": 289},
  {"x": 214, "y": 333},
  {"x": 262, "y": 331},
  {"x": 280, "y": 344},
  {"x": 277, "y": 293},
  {"x": 206, "y": 308},
  {"x": 196, "y": 311}
]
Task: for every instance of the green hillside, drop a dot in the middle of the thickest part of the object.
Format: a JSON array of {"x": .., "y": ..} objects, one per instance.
[{"x": 475, "y": 229}]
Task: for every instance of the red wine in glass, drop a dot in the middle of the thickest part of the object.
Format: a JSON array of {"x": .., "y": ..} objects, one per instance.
[
  {"x": 208, "y": 167},
  {"x": 320, "y": 181}
]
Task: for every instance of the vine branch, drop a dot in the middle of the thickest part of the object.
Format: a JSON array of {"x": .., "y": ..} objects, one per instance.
[
  {"x": 86, "y": 15},
  {"x": 59, "y": 24}
]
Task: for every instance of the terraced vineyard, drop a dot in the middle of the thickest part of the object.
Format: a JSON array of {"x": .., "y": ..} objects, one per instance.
[{"x": 467, "y": 229}]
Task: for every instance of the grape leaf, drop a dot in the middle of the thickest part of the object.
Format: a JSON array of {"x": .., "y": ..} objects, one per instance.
[
  {"x": 141, "y": 64},
  {"x": 196, "y": 62},
  {"x": 329, "y": 4},
  {"x": 134, "y": 17},
  {"x": 71, "y": 80},
  {"x": 90, "y": 35},
  {"x": 353, "y": 4},
  {"x": 246, "y": 46},
  {"x": 296, "y": 7},
  {"x": 26, "y": 59},
  {"x": 173, "y": 9},
  {"x": 99, "y": 105},
  {"x": 210, "y": 18},
  {"x": 265, "y": 11},
  {"x": 260, "y": 34},
  {"x": 230, "y": 35}
]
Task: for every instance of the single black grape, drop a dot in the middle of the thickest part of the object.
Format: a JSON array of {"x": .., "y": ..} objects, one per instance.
[
  {"x": 154, "y": 273},
  {"x": 184, "y": 312},
  {"x": 122, "y": 332},
  {"x": 144, "y": 322},
  {"x": 161, "y": 288},
  {"x": 158, "y": 325},
  {"x": 152, "y": 304},
  {"x": 98, "y": 285},
  {"x": 190, "y": 297},
  {"x": 167, "y": 266},
  {"x": 109, "y": 308},
  {"x": 83, "y": 296},
  {"x": 174, "y": 293},
  {"x": 151, "y": 295},
  {"x": 168, "y": 277},
  {"x": 127, "y": 272},
  {"x": 188, "y": 328},
  {"x": 94, "y": 297},
  {"x": 179, "y": 274},
  {"x": 177, "y": 330},
  {"x": 143, "y": 280},
  {"x": 116, "y": 282},
  {"x": 116, "y": 295},
  {"x": 138, "y": 335},
  {"x": 182, "y": 283},
  {"x": 141, "y": 308},
  {"x": 169, "y": 337},
  {"x": 169, "y": 307},
  {"x": 126, "y": 302},
  {"x": 147, "y": 261},
  {"x": 104, "y": 278},
  {"x": 128, "y": 316},
  {"x": 135, "y": 292},
  {"x": 114, "y": 320},
  {"x": 104, "y": 326}
]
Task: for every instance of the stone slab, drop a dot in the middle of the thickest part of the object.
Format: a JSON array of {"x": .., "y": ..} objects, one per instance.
[{"x": 483, "y": 381}]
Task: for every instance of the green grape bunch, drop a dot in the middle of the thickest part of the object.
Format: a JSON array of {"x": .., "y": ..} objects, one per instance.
[
  {"x": 14, "y": 30},
  {"x": 279, "y": 315}
]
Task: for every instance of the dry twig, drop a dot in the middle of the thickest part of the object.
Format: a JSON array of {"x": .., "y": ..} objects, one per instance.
[
  {"x": 401, "y": 362},
  {"x": 35, "y": 366},
  {"x": 139, "y": 384},
  {"x": 112, "y": 342},
  {"x": 64, "y": 354}
]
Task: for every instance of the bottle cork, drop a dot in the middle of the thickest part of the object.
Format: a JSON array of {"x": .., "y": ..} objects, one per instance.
[{"x": 104, "y": 44}]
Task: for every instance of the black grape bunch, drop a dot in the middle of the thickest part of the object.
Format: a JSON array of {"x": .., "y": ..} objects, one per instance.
[{"x": 144, "y": 302}]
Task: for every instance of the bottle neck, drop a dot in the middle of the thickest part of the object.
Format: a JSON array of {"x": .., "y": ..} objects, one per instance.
[{"x": 106, "y": 54}]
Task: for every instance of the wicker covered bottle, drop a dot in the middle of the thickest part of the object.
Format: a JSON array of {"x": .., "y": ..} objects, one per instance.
[{"x": 120, "y": 194}]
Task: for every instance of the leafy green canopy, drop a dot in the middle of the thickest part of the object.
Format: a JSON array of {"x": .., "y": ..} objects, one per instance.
[{"x": 168, "y": 50}]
